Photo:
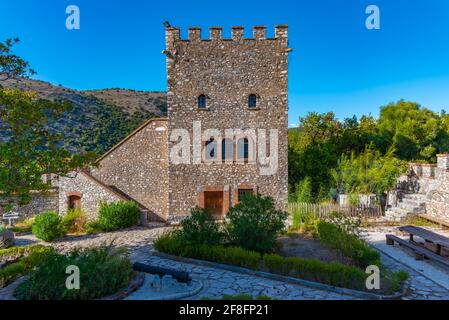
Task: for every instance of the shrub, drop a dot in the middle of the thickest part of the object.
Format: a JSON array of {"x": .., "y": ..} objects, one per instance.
[
  {"x": 93, "y": 227},
  {"x": 118, "y": 215},
  {"x": 173, "y": 243},
  {"x": 35, "y": 255},
  {"x": 255, "y": 224},
  {"x": 74, "y": 221},
  {"x": 47, "y": 226},
  {"x": 350, "y": 245},
  {"x": 335, "y": 274},
  {"x": 16, "y": 252},
  {"x": 200, "y": 228},
  {"x": 103, "y": 271}
]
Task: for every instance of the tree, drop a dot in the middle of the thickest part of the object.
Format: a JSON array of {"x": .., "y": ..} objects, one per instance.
[
  {"x": 367, "y": 173},
  {"x": 412, "y": 130},
  {"x": 30, "y": 148},
  {"x": 11, "y": 65}
]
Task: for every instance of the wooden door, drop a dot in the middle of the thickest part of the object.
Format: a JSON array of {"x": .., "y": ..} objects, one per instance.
[{"x": 213, "y": 202}]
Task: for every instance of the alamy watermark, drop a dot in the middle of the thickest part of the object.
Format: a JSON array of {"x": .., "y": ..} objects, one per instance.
[
  {"x": 372, "y": 282},
  {"x": 372, "y": 22},
  {"x": 72, "y": 22},
  {"x": 72, "y": 282},
  {"x": 214, "y": 146}
]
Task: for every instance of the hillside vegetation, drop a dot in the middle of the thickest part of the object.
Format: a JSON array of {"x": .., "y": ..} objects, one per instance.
[{"x": 98, "y": 119}]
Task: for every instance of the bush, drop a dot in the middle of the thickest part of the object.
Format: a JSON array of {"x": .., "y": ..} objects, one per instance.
[
  {"x": 255, "y": 224},
  {"x": 200, "y": 228},
  {"x": 172, "y": 243},
  {"x": 118, "y": 215},
  {"x": 93, "y": 227},
  {"x": 350, "y": 245},
  {"x": 16, "y": 252},
  {"x": 47, "y": 226},
  {"x": 34, "y": 256},
  {"x": 103, "y": 271},
  {"x": 74, "y": 221},
  {"x": 335, "y": 274}
]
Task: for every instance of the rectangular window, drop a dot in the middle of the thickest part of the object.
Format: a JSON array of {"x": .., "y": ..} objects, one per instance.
[{"x": 243, "y": 192}]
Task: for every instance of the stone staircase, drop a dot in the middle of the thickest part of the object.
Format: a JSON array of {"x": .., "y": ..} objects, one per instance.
[{"x": 408, "y": 204}]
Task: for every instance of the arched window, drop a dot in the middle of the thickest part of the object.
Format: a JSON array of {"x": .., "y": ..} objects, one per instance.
[
  {"x": 210, "y": 148},
  {"x": 242, "y": 149},
  {"x": 227, "y": 150},
  {"x": 252, "y": 101},
  {"x": 202, "y": 103}
]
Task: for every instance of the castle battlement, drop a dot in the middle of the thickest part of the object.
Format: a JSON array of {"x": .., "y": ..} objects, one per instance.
[{"x": 216, "y": 34}]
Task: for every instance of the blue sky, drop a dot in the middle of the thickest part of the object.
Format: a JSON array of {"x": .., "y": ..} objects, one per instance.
[{"x": 337, "y": 64}]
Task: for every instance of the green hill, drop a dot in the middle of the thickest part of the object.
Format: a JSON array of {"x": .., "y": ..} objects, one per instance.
[{"x": 99, "y": 118}]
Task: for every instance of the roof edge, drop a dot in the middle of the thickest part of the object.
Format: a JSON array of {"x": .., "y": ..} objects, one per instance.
[{"x": 143, "y": 125}]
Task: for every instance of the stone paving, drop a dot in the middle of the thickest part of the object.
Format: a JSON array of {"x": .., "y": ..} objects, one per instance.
[{"x": 221, "y": 282}]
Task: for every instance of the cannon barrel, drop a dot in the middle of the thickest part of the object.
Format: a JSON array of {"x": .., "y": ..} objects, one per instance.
[{"x": 180, "y": 276}]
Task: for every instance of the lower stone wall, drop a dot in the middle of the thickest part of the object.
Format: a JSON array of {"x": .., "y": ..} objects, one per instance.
[
  {"x": 40, "y": 202},
  {"x": 90, "y": 191}
]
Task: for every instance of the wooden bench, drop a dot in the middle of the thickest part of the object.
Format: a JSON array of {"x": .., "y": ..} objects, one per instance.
[
  {"x": 420, "y": 252},
  {"x": 438, "y": 221},
  {"x": 429, "y": 236}
]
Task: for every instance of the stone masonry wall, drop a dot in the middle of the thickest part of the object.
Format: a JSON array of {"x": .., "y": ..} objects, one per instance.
[
  {"x": 40, "y": 202},
  {"x": 438, "y": 205},
  {"x": 138, "y": 166},
  {"x": 427, "y": 182},
  {"x": 227, "y": 71},
  {"x": 90, "y": 191}
]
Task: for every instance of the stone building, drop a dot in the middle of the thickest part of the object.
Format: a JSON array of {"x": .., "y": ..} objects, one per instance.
[
  {"x": 423, "y": 190},
  {"x": 227, "y": 122}
]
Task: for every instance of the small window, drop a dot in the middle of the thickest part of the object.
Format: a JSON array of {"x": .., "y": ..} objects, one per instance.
[
  {"x": 252, "y": 101},
  {"x": 202, "y": 103}
]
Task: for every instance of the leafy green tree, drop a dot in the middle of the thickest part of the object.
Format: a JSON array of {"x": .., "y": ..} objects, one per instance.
[
  {"x": 12, "y": 65},
  {"x": 412, "y": 130},
  {"x": 30, "y": 149}
]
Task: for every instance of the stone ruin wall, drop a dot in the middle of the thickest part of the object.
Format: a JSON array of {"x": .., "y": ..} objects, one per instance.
[
  {"x": 430, "y": 180},
  {"x": 40, "y": 202}
]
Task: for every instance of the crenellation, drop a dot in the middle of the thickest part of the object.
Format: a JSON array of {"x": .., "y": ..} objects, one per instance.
[
  {"x": 259, "y": 32},
  {"x": 281, "y": 32},
  {"x": 216, "y": 33},
  {"x": 194, "y": 34},
  {"x": 237, "y": 33}
]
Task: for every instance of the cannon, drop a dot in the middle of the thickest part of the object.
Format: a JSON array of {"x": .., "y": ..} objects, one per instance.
[{"x": 180, "y": 276}]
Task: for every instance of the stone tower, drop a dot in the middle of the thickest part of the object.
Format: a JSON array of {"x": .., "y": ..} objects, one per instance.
[{"x": 222, "y": 84}]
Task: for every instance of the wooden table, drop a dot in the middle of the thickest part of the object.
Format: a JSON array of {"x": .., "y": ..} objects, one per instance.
[{"x": 429, "y": 236}]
